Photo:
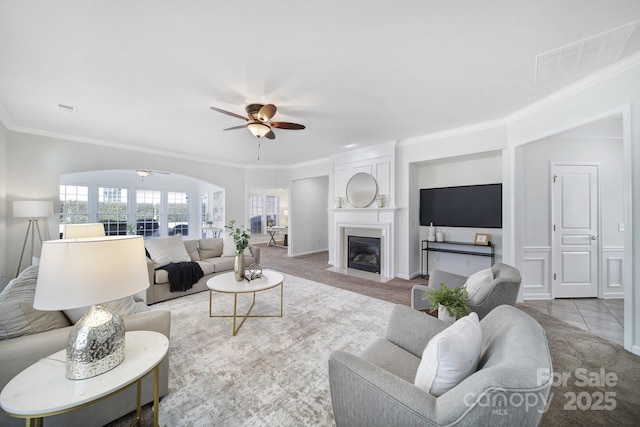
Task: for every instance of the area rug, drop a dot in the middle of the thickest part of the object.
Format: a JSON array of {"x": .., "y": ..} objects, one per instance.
[
  {"x": 274, "y": 372},
  {"x": 596, "y": 382}
]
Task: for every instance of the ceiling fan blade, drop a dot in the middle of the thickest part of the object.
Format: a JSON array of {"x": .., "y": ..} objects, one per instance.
[
  {"x": 236, "y": 127},
  {"x": 270, "y": 135},
  {"x": 229, "y": 113},
  {"x": 266, "y": 112},
  {"x": 286, "y": 125}
]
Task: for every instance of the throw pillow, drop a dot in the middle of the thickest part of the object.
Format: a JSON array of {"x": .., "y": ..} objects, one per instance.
[
  {"x": 228, "y": 246},
  {"x": 210, "y": 248},
  {"x": 451, "y": 356},
  {"x": 477, "y": 284},
  {"x": 123, "y": 307},
  {"x": 192, "y": 249},
  {"x": 166, "y": 250},
  {"x": 17, "y": 315}
]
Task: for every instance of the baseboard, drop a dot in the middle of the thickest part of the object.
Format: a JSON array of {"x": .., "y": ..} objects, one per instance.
[{"x": 310, "y": 252}]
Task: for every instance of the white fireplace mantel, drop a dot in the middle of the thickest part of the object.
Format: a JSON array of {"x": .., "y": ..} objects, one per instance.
[{"x": 379, "y": 221}]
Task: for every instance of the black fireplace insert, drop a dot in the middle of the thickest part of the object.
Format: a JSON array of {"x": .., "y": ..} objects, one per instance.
[{"x": 364, "y": 253}]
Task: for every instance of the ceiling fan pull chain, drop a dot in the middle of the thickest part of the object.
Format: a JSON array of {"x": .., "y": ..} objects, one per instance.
[{"x": 258, "y": 148}]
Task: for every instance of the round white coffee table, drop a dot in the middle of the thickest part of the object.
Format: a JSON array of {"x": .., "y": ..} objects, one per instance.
[{"x": 227, "y": 283}]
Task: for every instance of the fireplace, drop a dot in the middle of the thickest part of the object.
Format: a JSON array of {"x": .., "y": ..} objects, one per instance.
[{"x": 364, "y": 253}]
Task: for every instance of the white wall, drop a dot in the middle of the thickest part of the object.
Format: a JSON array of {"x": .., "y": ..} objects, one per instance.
[
  {"x": 476, "y": 169},
  {"x": 4, "y": 154},
  {"x": 308, "y": 216},
  {"x": 130, "y": 180},
  {"x": 615, "y": 91},
  {"x": 535, "y": 166},
  {"x": 411, "y": 154},
  {"x": 37, "y": 162}
]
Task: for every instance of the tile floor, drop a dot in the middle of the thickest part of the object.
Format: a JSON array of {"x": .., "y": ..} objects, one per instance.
[{"x": 603, "y": 317}]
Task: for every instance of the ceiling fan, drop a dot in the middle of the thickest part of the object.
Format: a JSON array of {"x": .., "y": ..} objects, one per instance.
[
  {"x": 258, "y": 120},
  {"x": 146, "y": 172}
]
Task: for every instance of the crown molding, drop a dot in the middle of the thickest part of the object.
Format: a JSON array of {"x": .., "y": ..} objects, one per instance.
[{"x": 581, "y": 85}]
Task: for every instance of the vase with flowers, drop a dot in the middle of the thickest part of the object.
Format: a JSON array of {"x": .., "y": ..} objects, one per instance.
[{"x": 241, "y": 241}]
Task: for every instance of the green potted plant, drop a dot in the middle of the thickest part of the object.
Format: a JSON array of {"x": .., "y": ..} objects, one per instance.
[
  {"x": 451, "y": 302},
  {"x": 241, "y": 241}
]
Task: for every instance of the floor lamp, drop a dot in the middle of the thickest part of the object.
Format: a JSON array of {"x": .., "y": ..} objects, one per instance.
[{"x": 32, "y": 209}]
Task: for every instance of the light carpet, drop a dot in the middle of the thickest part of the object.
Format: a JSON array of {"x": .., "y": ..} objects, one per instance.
[{"x": 275, "y": 370}]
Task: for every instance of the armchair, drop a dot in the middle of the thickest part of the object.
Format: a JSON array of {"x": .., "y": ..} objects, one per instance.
[
  {"x": 503, "y": 289},
  {"x": 510, "y": 386}
]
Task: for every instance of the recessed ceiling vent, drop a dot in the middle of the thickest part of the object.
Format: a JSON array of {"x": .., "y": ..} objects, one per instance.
[
  {"x": 590, "y": 53},
  {"x": 67, "y": 108}
]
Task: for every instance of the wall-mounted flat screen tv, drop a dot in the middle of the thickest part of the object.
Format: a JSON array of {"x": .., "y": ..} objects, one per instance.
[{"x": 477, "y": 206}]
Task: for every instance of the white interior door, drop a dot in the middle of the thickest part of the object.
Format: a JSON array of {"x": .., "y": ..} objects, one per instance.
[{"x": 575, "y": 230}]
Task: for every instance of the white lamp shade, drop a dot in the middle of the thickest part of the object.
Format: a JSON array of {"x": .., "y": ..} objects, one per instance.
[
  {"x": 76, "y": 231},
  {"x": 80, "y": 272},
  {"x": 32, "y": 208},
  {"x": 258, "y": 128}
]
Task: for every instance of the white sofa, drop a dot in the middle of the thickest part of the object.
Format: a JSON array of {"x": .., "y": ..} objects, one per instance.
[{"x": 210, "y": 253}]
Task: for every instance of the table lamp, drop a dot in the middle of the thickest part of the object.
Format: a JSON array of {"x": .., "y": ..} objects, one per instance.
[
  {"x": 91, "y": 272},
  {"x": 32, "y": 209}
]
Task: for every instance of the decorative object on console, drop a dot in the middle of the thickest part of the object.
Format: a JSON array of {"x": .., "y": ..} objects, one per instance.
[
  {"x": 241, "y": 240},
  {"x": 439, "y": 236},
  {"x": 338, "y": 202},
  {"x": 361, "y": 190},
  {"x": 381, "y": 200},
  {"x": 481, "y": 239},
  {"x": 32, "y": 209},
  {"x": 115, "y": 267},
  {"x": 454, "y": 300},
  {"x": 254, "y": 272},
  {"x": 431, "y": 236}
]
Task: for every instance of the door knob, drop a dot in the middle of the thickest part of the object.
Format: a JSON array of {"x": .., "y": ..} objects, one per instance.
[{"x": 594, "y": 237}]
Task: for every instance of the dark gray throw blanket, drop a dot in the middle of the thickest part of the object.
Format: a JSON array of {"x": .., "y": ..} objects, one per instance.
[{"x": 182, "y": 275}]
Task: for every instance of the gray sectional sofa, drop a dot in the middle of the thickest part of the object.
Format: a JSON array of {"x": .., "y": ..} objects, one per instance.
[{"x": 209, "y": 253}]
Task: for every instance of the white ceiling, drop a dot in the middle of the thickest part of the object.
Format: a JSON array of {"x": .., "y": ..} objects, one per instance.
[{"x": 143, "y": 73}]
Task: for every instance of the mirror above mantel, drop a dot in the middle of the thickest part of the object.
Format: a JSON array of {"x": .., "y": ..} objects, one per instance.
[{"x": 361, "y": 190}]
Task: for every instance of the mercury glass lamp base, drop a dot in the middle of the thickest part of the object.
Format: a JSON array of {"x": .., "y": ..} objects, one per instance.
[{"x": 96, "y": 343}]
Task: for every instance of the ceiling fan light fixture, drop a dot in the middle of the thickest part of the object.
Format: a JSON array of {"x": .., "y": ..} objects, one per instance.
[
  {"x": 258, "y": 128},
  {"x": 143, "y": 172}
]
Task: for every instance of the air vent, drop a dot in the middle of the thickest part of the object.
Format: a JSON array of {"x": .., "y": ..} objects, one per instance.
[
  {"x": 590, "y": 53},
  {"x": 67, "y": 108}
]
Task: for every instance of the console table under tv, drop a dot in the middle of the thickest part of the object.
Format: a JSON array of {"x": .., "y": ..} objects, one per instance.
[{"x": 463, "y": 248}]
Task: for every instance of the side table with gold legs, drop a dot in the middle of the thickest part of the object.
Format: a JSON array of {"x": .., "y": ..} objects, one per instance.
[{"x": 42, "y": 390}]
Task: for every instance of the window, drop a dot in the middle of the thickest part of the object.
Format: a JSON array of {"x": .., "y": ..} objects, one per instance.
[
  {"x": 112, "y": 210},
  {"x": 256, "y": 210},
  {"x": 273, "y": 208},
  {"x": 148, "y": 212},
  {"x": 178, "y": 213},
  {"x": 74, "y": 200}
]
